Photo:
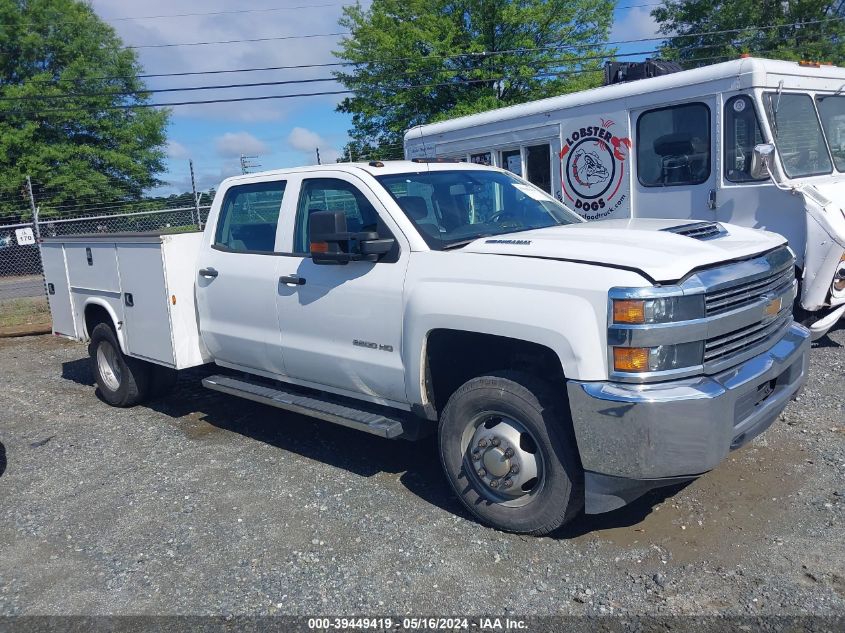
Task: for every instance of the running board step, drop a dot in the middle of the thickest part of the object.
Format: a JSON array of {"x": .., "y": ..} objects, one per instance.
[{"x": 362, "y": 419}]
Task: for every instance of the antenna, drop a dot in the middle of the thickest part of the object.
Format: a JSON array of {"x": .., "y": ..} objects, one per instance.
[{"x": 248, "y": 162}]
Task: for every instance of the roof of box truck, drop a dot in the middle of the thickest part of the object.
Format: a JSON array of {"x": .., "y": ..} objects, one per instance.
[{"x": 750, "y": 70}]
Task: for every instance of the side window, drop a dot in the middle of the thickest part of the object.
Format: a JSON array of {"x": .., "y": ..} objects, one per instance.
[
  {"x": 742, "y": 133},
  {"x": 249, "y": 216},
  {"x": 331, "y": 194},
  {"x": 512, "y": 161},
  {"x": 673, "y": 145},
  {"x": 539, "y": 164}
]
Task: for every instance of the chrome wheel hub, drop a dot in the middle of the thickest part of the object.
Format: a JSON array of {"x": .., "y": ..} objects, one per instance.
[
  {"x": 108, "y": 365},
  {"x": 504, "y": 459}
]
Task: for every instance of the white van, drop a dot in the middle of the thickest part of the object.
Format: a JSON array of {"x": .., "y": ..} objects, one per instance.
[{"x": 683, "y": 146}]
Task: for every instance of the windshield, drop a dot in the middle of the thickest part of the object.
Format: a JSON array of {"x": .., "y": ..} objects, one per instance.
[
  {"x": 832, "y": 113},
  {"x": 451, "y": 208},
  {"x": 798, "y": 135}
]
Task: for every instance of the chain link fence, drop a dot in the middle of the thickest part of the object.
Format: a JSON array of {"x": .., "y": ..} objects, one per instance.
[{"x": 22, "y": 294}]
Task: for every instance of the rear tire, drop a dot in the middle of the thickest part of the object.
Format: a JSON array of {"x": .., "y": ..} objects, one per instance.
[
  {"x": 508, "y": 449},
  {"x": 123, "y": 381}
]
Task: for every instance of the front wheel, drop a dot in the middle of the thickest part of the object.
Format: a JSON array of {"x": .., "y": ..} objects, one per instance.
[
  {"x": 508, "y": 449},
  {"x": 123, "y": 381}
]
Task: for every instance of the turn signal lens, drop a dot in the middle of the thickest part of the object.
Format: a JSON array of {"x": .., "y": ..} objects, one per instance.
[
  {"x": 629, "y": 311},
  {"x": 630, "y": 358},
  {"x": 319, "y": 247}
]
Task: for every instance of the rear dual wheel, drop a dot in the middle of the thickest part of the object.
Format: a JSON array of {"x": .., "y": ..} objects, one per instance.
[
  {"x": 508, "y": 449},
  {"x": 124, "y": 381}
]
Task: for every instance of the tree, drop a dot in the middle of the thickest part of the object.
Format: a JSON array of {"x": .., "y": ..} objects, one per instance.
[
  {"x": 71, "y": 108},
  {"x": 417, "y": 61},
  {"x": 708, "y": 31}
]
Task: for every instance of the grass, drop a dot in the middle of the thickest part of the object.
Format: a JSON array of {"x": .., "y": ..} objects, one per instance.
[{"x": 23, "y": 314}]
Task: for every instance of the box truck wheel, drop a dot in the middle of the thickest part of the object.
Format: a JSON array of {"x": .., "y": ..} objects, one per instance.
[
  {"x": 123, "y": 381},
  {"x": 508, "y": 449}
]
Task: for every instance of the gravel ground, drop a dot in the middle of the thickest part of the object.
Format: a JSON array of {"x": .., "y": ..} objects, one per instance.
[{"x": 206, "y": 504}]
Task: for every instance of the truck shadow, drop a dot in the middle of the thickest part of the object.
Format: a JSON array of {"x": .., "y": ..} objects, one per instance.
[
  {"x": 2, "y": 459},
  {"x": 204, "y": 415}
]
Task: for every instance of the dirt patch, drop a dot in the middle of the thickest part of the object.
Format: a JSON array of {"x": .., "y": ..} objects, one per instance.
[{"x": 722, "y": 512}]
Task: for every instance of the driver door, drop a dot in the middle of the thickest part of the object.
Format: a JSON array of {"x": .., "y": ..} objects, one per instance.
[
  {"x": 675, "y": 164},
  {"x": 341, "y": 325}
]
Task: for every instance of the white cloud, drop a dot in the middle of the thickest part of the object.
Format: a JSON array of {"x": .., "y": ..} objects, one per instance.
[
  {"x": 636, "y": 23},
  {"x": 176, "y": 150},
  {"x": 236, "y": 143},
  {"x": 303, "y": 139},
  {"x": 237, "y": 26},
  {"x": 307, "y": 141}
]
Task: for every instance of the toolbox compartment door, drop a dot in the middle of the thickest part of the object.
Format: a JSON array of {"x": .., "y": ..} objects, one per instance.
[
  {"x": 58, "y": 289},
  {"x": 144, "y": 295}
]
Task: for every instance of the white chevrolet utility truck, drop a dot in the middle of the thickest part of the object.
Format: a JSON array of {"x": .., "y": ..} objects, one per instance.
[{"x": 563, "y": 364}]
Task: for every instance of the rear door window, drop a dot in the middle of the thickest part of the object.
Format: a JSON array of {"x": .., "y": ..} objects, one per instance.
[{"x": 249, "y": 217}]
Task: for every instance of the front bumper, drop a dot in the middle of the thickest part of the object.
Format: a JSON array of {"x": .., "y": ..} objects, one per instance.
[{"x": 634, "y": 437}]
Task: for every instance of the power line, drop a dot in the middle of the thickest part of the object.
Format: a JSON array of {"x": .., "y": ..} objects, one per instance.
[
  {"x": 550, "y": 63},
  {"x": 454, "y": 56},
  {"x": 323, "y": 93},
  {"x": 243, "y": 41}
]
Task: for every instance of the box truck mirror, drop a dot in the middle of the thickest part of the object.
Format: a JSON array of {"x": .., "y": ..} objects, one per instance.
[{"x": 762, "y": 161}]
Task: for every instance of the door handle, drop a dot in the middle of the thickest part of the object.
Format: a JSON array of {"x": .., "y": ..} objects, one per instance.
[
  {"x": 209, "y": 273},
  {"x": 292, "y": 280}
]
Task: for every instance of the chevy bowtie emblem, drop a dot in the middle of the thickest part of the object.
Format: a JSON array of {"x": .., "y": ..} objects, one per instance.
[{"x": 772, "y": 307}]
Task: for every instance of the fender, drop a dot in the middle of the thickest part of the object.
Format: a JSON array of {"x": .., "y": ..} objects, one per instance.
[
  {"x": 118, "y": 323},
  {"x": 824, "y": 246},
  {"x": 559, "y": 305}
]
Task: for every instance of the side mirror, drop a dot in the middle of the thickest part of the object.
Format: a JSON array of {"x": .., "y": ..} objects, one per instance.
[
  {"x": 762, "y": 161},
  {"x": 332, "y": 243}
]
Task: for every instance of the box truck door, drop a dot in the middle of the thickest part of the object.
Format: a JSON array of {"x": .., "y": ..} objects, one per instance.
[{"x": 674, "y": 160}]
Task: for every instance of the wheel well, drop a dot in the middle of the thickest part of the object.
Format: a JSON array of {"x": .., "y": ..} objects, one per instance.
[
  {"x": 455, "y": 356},
  {"x": 94, "y": 315}
]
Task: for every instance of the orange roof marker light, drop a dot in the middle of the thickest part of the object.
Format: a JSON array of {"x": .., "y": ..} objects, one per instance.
[{"x": 808, "y": 63}]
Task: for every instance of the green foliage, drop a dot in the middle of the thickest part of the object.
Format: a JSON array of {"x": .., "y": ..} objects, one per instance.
[
  {"x": 417, "y": 61},
  {"x": 792, "y": 30},
  {"x": 77, "y": 148}
]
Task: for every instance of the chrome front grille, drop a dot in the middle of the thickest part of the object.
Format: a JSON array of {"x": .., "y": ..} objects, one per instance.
[
  {"x": 743, "y": 294},
  {"x": 733, "y": 343}
]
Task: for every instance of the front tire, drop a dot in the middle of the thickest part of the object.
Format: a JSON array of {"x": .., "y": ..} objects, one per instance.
[
  {"x": 508, "y": 449},
  {"x": 123, "y": 381}
]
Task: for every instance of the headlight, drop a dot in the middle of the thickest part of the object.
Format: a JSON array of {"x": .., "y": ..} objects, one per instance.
[
  {"x": 839, "y": 277},
  {"x": 660, "y": 358},
  {"x": 662, "y": 310}
]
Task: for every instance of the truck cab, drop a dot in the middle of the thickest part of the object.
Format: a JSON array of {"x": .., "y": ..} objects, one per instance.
[{"x": 563, "y": 365}]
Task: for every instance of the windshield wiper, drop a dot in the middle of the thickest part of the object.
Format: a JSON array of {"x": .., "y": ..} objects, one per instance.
[{"x": 459, "y": 243}]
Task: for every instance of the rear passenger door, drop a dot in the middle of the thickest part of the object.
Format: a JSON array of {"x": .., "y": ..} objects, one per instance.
[
  {"x": 675, "y": 163},
  {"x": 236, "y": 279}
]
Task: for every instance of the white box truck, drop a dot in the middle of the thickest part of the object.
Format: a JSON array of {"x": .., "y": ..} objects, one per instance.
[
  {"x": 683, "y": 146},
  {"x": 563, "y": 364}
]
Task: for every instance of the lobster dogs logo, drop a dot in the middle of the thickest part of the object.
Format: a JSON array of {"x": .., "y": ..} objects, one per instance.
[{"x": 593, "y": 169}]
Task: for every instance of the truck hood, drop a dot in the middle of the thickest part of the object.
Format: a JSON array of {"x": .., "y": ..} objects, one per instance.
[{"x": 642, "y": 244}]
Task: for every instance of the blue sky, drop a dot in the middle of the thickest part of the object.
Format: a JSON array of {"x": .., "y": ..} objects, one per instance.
[{"x": 282, "y": 132}]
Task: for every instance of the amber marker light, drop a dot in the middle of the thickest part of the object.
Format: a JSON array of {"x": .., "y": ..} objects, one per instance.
[
  {"x": 629, "y": 311},
  {"x": 630, "y": 358},
  {"x": 319, "y": 247}
]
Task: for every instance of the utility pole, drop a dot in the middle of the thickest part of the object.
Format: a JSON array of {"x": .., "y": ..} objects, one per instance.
[
  {"x": 196, "y": 196},
  {"x": 34, "y": 208},
  {"x": 247, "y": 163},
  {"x": 318, "y": 156}
]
